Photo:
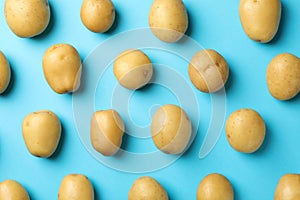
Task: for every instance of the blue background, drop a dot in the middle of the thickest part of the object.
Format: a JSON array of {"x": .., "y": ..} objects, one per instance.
[{"x": 213, "y": 24}]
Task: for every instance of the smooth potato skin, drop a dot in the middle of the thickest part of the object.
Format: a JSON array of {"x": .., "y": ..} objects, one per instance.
[
  {"x": 97, "y": 15},
  {"x": 27, "y": 18},
  {"x": 4, "y": 73},
  {"x": 260, "y": 18},
  {"x": 12, "y": 190},
  {"x": 283, "y": 76},
  {"x": 288, "y": 187}
]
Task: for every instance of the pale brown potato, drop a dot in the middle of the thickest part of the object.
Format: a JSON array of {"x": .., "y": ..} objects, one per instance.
[
  {"x": 171, "y": 129},
  {"x": 215, "y": 187},
  {"x": 283, "y": 76},
  {"x": 76, "y": 187},
  {"x": 4, "y": 73},
  {"x": 107, "y": 129},
  {"x": 62, "y": 68},
  {"x": 41, "y": 132},
  {"x": 12, "y": 190},
  {"x": 245, "y": 130},
  {"x": 27, "y": 18},
  {"x": 288, "y": 187},
  {"x": 208, "y": 71},
  {"x": 260, "y": 18},
  {"x": 133, "y": 69},
  {"x": 168, "y": 20},
  {"x": 97, "y": 15},
  {"x": 147, "y": 188}
]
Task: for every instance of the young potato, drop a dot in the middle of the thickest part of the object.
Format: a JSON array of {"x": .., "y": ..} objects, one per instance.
[
  {"x": 4, "y": 73},
  {"x": 107, "y": 129},
  {"x": 62, "y": 68},
  {"x": 41, "y": 133},
  {"x": 288, "y": 187},
  {"x": 133, "y": 69},
  {"x": 147, "y": 188},
  {"x": 168, "y": 20},
  {"x": 245, "y": 130},
  {"x": 27, "y": 18},
  {"x": 171, "y": 129},
  {"x": 208, "y": 71},
  {"x": 97, "y": 15},
  {"x": 12, "y": 190},
  {"x": 215, "y": 187},
  {"x": 260, "y": 18},
  {"x": 76, "y": 187},
  {"x": 283, "y": 76}
]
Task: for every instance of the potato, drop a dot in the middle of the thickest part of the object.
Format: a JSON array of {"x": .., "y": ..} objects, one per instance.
[
  {"x": 260, "y": 18},
  {"x": 107, "y": 129},
  {"x": 283, "y": 76},
  {"x": 208, "y": 71},
  {"x": 62, "y": 68},
  {"x": 168, "y": 20},
  {"x": 27, "y": 18},
  {"x": 12, "y": 190},
  {"x": 288, "y": 187},
  {"x": 4, "y": 73},
  {"x": 147, "y": 188},
  {"x": 245, "y": 130},
  {"x": 76, "y": 187},
  {"x": 171, "y": 129},
  {"x": 41, "y": 133},
  {"x": 97, "y": 15},
  {"x": 215, "y": 187},
  {"x": 133, "y": 69}
]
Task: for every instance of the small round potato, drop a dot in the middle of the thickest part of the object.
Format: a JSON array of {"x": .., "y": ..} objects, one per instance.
[
  {"x": 107, "y": 129},
  {"x": 245, "y": 130},
  {"x": 97, "y": 15},
  {"x": 288, "y": 187},
  {"x": 27, "y": 18},
  {"x": 208, "y": 71},
  {"x": 4, "y": 73},
  {"x": 62, "y": 68},
  {"x": 133, "y": 69},
  {"x": 215, "y": 187},
  {"x": 12, "y": 190},
  {"x": 171, "y": 129},
  {"x": 147, "y": 188},
  {"x": 41, "y": 133},
  {"x": 283, "y": 76},
  {"x": 168, "y": 20},
  {"x": 76, "y": 187}
]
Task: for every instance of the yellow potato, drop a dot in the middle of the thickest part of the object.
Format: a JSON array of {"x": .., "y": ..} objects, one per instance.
[
  {"x": 260, "y": 18},
  {"x": 62, "y": 68},
  {"x": 283, "y": 76},
  {"x": 76, "y": 187},
  {"x": 133, "y": 69},
  {"x": 171, "y": 129},
  {"x": 245, "y": 130},
  {"x": 208, "y": 71},
  {"x": 41, "y": 133},
  {"x": 27, "y": 18},
  {"x": 147, "y": 188},
  {"x": 215, "y": 187},
  {"x": 288, "y": 187},
  {"x": 97, "y": 15},
  {"x": 12, "y": 190},
  {"x": 107, "y": 129},
  {"x": 4, "y": 73},
  {"x": 168, "y": 19}
]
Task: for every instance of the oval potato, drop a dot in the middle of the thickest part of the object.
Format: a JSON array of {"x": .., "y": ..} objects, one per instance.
[
  {"x": 12, "y": 190},
  {"x": 4, "y": 73},
  {"x": 288, "y": 187}
]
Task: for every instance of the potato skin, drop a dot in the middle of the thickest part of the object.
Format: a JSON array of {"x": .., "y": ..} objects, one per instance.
[
  {"x": 4, "y": 73},
  {"x": 12, "y": 190},
  {"x": 27, "y": 18},
  {"x": 283, "y": 76},
  {"x": 147, "y": 188},
  {"x": 97, "y": 15},
  {"x": 260, "y": 18},
  {"x": 288, "y": 187}
]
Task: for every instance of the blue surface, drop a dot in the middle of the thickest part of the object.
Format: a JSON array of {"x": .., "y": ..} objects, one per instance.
[{"x": 213, "y": 24}]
